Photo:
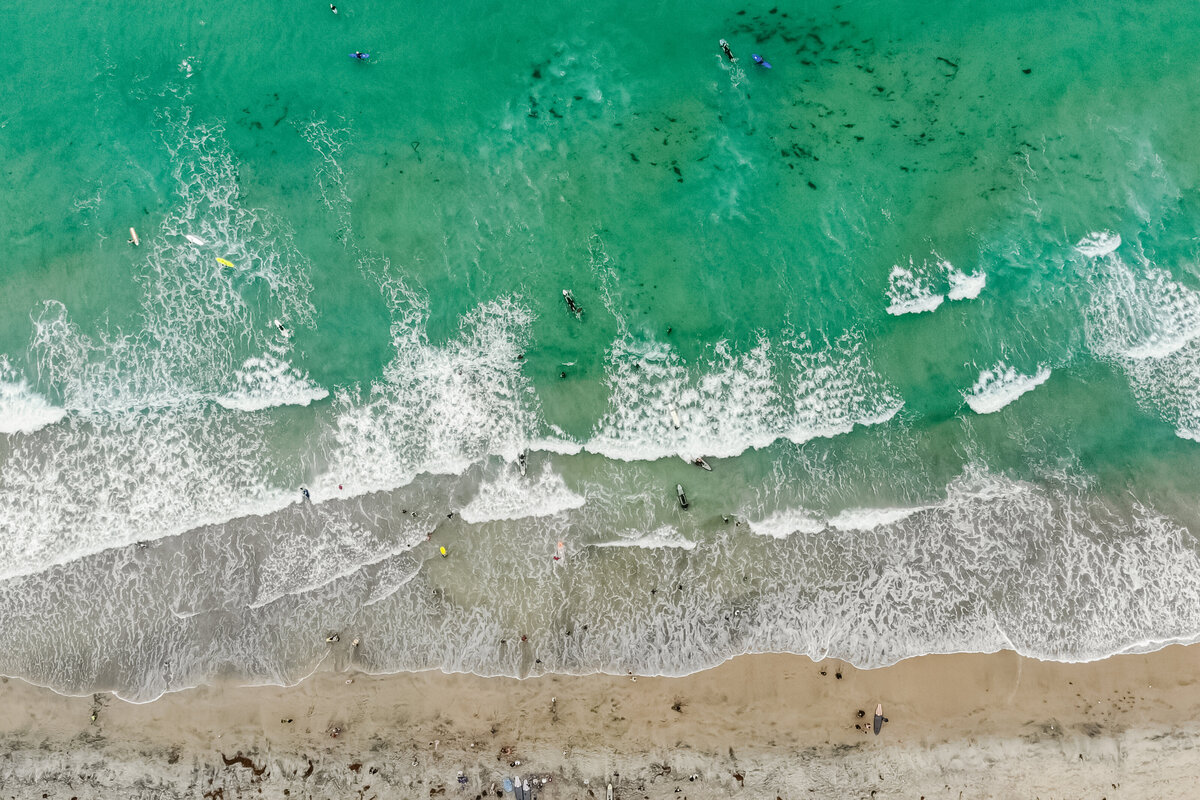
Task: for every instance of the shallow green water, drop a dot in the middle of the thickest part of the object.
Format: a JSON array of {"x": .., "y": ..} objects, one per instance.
[{"x": 938, "y": 417}]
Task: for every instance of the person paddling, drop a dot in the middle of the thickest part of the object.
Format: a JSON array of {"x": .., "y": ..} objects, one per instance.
[{"x": 571, "y": 304}]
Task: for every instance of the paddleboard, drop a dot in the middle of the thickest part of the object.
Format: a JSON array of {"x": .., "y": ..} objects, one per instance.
[
  {"x": 133, "y": 237},
  {"x": 225, "y": 263},
  {"x": 194, "y": 239}
]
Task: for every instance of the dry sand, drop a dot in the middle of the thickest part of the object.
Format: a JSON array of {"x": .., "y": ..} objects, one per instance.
[{"x": 762, "y": 726}]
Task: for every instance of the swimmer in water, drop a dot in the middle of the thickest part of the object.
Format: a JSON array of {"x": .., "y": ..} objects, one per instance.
[
  {"x": 725, "y": 49},
  {"x": 333, "y": 8}
]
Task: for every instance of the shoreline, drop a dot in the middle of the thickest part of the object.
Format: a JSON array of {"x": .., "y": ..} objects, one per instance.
[{"x": 984, "y": 725}]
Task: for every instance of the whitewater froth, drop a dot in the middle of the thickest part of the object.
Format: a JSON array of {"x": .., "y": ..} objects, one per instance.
[
  {"x": 922, "y": 288},
  {"x": 1149, "y": 323},
  {"x": 793, "y": 390},
  {"x": 1001, "y": 385},
  {"x": 23, "y": 410}
]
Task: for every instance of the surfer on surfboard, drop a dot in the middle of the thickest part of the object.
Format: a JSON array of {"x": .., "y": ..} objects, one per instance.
[
  {"x": 725, "y": 49},
  {"x": 762, "y": 62},
  {"x": 360, "y": 56},
  {"x": 571, "y": 304}
]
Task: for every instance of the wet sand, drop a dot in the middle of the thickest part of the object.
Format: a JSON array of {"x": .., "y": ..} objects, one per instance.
[{"x": 758, "y": 726}]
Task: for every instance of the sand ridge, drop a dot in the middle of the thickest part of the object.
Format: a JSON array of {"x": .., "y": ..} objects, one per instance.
[{"x": 757, "y": 726}]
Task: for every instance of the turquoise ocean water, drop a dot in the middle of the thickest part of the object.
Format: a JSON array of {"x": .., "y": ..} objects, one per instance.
[{"x": 925, "y": 295}]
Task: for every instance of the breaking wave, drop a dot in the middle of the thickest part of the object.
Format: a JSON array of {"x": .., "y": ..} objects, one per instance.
[{"x": 1001, "y": 385}]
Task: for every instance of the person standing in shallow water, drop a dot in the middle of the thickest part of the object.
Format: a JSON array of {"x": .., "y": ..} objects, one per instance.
[{"x": 304, "y": 492}]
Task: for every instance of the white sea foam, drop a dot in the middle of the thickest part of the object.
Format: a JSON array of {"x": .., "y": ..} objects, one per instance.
[
  {"x": 1139, "y": 311},
  {"x": 735, "y": 401},
  {"x": 438, "y": 408},
  {"x": 783, "y": 523},
  {"x": 1170, "y": 387},
  {"x": 509, "y": 495},
  {"x": 664, "y": 536},
  {"x": 266, "y": 381},
  {"x": 337, "y": 542},
  {"x": 964, "y": 286},
  {"x": 921, "y": 288},
  {"x": 1001, "y": 385},
  {"x": 909, "y": 291},
  {"x": 1149, "y": 323},
  {"x": 23, "y": 410},
  {"x": 867, "y": 519},
  {"x": 1098, "y": 243}
]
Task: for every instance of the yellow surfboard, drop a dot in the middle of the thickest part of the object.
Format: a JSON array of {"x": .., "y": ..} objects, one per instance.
[{"x": 224, "y": 262}]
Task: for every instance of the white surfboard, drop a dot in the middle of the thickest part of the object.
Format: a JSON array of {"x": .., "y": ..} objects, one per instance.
[
  {"x": 674, "y": 416},
  {"x": 133, "y": 238},
  {"x": 194, "y": 239}
]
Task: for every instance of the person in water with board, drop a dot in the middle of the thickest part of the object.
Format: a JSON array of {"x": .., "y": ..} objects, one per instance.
[
  {"x": 571, "y": 304},
  {"x": 760, "y": 61},
  {"x": 360, "y": 56},
  {"x": 728, "y": 53}
]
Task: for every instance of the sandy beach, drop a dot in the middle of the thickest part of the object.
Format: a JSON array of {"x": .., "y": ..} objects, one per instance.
[{"x": 758, "y": 726}]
